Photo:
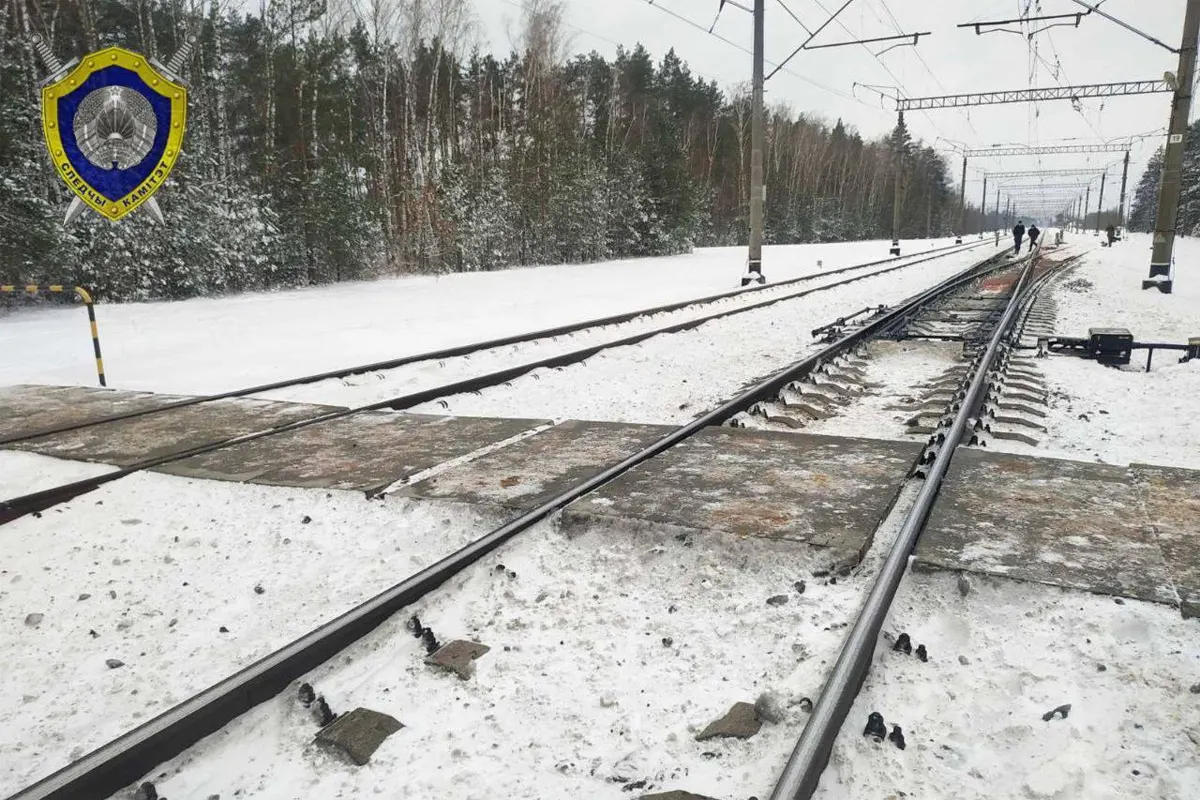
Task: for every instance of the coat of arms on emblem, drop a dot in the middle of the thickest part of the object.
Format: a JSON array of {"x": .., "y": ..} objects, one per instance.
[{"x": 114, "y": 123}]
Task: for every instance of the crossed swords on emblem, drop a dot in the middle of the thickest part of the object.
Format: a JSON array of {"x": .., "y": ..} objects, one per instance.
[{"x": 115, "y": 127}]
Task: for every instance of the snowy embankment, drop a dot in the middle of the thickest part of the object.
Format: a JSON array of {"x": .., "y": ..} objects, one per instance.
[
  {"x": 210, "y": 345},
  {"x": 1120, "y": 416},
  {"x": 129, "y": 599}
]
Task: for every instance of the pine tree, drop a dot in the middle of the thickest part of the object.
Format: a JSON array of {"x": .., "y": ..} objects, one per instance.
[
  {"x": 1144, "y": 204},
  {"x": 30, "y": 236},
  {"x": 324, "y": 148}
]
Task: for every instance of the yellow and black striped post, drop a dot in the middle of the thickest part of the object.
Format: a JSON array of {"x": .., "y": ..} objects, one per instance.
[{"x": 85, "y": 296}]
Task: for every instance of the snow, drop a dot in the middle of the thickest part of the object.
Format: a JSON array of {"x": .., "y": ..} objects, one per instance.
[
  {"x": 25, "y": 473},
  {"x": 586, "y": 692},
  {"x": 204, "y": 346},
  {"x": 680, "y": 375},
  {"x": 168, "y": 561},
  {"x": 1133, "y": 729},
  {"x": 1122, "y": 416},
  {"x": 579, "y": 688},
  {"x": 893, "y": 376}
]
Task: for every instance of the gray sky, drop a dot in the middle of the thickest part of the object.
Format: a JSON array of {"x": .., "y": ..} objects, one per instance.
[{"x": 954, "y": 61}]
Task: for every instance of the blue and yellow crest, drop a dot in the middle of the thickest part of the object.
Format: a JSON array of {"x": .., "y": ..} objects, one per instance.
[{"x": 114, "y": 126}]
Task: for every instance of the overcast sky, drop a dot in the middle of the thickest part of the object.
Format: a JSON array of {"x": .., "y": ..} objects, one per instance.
[{"x": 949, "y": 61}]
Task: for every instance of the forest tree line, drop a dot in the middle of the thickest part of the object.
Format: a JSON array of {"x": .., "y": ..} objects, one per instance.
[
  {"x": 1144, "y": 205},
  {"x": 333, "y": 141}
]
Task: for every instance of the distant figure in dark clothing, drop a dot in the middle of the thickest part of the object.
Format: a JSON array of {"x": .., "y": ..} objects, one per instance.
[
  {"x": 1112, "y": 234},
  {"x": 1034, "y": 233},
  {"x": 1018, "y": 235}
]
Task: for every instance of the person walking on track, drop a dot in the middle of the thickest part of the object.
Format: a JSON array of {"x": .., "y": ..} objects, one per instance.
[
  {"x": 1034, "y": 233},
  {"x": 1018, "y": 235},
  {"x": 1111, "y": 232}
]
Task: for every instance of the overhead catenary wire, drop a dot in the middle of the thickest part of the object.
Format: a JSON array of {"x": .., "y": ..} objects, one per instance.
[
  {"x": 692, "y": 23},
  {"x": 886, "y": 68}
]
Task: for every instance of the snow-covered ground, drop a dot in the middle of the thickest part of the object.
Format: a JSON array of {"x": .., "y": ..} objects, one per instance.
[
  {"x": 1001, "y": 658},
  {"x": 25, "y": 473},
  {"x": 611, "y": 649},
  {"x": 385, "y": 385},
  {"x": 670, "y": 379},
  {"x": 204, "y": 346},
  {"x": 892, "y": 381},
  {"x": 163, "y": 574},
  {"x": 581, "y": 687},
  {"x": 1119, "y": 416}
]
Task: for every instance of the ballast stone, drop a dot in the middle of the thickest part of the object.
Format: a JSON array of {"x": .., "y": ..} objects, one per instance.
[
  {"x": 741, "y": 722},
  {"x": 458, "y": 657},
  {"x": 358, "y": 734}
]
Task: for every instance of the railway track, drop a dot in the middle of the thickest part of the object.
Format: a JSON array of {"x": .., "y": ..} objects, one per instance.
[
  {"x": 131, "y": 756},
  {"x": 491, "y": 344},
  {"x": 39, "y": 501},
  {"x": 902, "y": 383},
  {"x": 965, "y": 414}
]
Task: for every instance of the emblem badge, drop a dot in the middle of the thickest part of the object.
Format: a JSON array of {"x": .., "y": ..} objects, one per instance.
[{"x": 114, "y": 124}]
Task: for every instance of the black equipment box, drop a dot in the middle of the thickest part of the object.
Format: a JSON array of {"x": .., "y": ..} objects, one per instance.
[{"x": 1111, "y": 345}]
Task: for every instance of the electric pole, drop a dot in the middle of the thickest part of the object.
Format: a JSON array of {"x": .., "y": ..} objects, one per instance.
[
  {"x": 1100, "y": 205},
  {"x": 1087, "y": 203},
  {"x": 962, "y": 204},
  {"x": 896, "y": 207},
  {"x": 983, "y": 209},
  {"x": 1124, "y": 180},
  {"x": 899, "y": 156},
  {"x": 758, "y": 189},
  {"x": 998, "y": 226},
  {"x": 1172, "y": 170}
]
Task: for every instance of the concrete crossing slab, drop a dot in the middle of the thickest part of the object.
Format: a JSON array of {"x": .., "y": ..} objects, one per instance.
[
  {"x": 826, "y": 491},
  {"x": 1172, "y": 504},
  {"x": 28, "y": 409},
  {"x": 132, "y": 440},
  {"x": 1132, "y": 532},
  {"x": 1065, "y": 523},
  {"x": 364, "y": 452},
  {"x": 531, "y": 471}
]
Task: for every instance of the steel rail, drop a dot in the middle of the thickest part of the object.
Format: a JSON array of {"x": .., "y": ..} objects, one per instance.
[
  {"x": 458, "y": 350},
  {"x": 126, "y": 759},
  {"x": 811, "y": 754},
  {"x": 16, "y": 507}
]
